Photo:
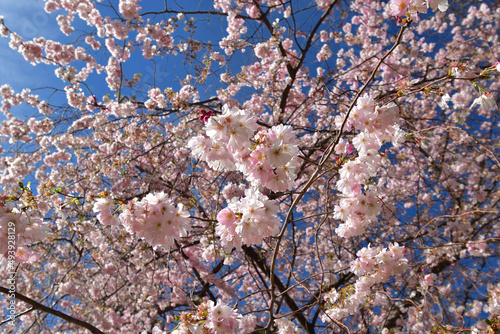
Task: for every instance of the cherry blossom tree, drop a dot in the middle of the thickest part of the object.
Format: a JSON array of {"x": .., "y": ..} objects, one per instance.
[{"x": 254, "y": 166}]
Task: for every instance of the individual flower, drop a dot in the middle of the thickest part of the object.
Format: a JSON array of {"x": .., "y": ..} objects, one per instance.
[
  {"x": 226, "y": 217},
  {"x": 486, "y": 102},
  {"x": 444, "y": 101},
  {"x": 205, "y": 115},
  {"x": 442, "y": 5},
  {"x": 399, "y": 7},
  {"x": 200, "y": 146}
]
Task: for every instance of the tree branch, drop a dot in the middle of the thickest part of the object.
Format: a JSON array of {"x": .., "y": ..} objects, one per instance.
[{"x": 37, "y": 306}]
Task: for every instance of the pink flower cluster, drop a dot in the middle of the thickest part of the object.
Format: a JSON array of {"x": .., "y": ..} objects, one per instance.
[
  {"x": 360, "y": 204},
  {"x": 285, "y": 326},
  {"x": 235, "y": 29},
  {"x": 247, "y": 220},
  {"x": 156, "y": 99},
  {"x": 493, "y": 306},
  {"x": 129, "y": 9},
  {"x": 375, "y": 265},
  {"x": 227, "y": 135},
  {"x": 10, "y": 98},
  {"x": 273, "y": 161},
  {"x": 269, "y": 159},
  {"x": 213, "y": 318},
  {"x": 413, "y": 7},
  {"x": 154, "y": 218},
  {"x": 24, "y": 227},
  {"x": 383, "y": 262},
  {"x": 106, "y": 209},
  {"x": 221, "y": 318},
  {"x": 233, "y": 127},
  {"x": 15, "y": 130}
]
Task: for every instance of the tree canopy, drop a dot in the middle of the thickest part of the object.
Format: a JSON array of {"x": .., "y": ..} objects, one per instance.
[{"x": 253, "y": 166}]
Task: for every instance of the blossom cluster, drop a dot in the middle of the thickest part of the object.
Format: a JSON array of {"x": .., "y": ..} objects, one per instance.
[
  {"x": 267, "y": 158},
  {"x": 414, "y": 7},
  {"x": 154, "y": 218},
  {"x": 214, "y": 318},
  {"x": 385, "y": 262},
  {"x": 226, "y": 136},
  {"x": 360, "y": 204},
  {"x": 273, "y": 162},
  {"x": 10, "y": 98},
  {"x": 285, "y": 326},
  {"x": 27, "y": 229},
  {"x": 493, "y": 306},
  {"x": 247, "y": 220},
  {"x": 375, "y": 265}
]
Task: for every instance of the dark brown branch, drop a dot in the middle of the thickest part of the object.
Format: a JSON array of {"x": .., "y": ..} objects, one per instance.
[
  {"x": 261, "y": 263},
  {"x": 37, "y": 306},
  {"x": 292, "y": 71}
]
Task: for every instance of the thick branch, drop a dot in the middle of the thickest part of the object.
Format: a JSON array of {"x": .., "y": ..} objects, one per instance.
[
  {"x": 261, "y": 263},
  {"x": 37, "y": 306}
]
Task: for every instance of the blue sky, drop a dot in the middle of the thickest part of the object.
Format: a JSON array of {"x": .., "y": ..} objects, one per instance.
[{"x": 29, "y": 20}]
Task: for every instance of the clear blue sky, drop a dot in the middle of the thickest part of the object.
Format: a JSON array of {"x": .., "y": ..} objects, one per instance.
[{"x": 29, "y": 20}]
